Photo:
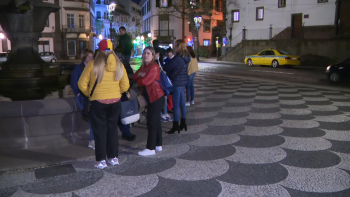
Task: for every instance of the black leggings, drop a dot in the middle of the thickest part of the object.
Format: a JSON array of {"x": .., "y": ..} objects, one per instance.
[
  {"x": 104, "y": 121},
  {"x": 153, "y": 123}
]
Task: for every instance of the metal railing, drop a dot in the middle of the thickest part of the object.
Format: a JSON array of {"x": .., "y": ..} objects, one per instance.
[
  {"x": 77, "y": 28},
  {"x": 163, "y": 33}
]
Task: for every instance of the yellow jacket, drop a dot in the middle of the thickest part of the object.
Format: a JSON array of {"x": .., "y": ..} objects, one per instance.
[
  {"x": 192, "y": 66},
  {"x": 108, "y": 88}
]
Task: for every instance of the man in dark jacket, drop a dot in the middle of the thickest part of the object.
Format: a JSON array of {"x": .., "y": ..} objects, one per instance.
[
  {"x": 126, "y": 43},
  {"x": 162, "y": 52}
]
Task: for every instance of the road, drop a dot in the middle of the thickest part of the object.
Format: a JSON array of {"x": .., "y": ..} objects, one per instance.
[{"x": 300, "y": 74}]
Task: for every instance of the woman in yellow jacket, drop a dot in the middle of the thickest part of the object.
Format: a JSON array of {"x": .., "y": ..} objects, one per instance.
[
  {"x": 191, "y": 72},
  {"x": 105, "y": 104}
]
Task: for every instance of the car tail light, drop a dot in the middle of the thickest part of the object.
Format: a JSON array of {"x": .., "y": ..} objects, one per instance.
[
  {"x": 287, "y": 58},
  {"x": 328, "y": 67}
]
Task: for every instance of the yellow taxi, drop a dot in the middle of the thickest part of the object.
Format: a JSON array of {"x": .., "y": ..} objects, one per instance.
[{"x": 273, "y": 57}]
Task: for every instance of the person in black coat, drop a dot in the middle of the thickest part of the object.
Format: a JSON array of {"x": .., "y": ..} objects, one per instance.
[
  {"x": 176, "y": 69},
  {"x": 162, "y": 52}
]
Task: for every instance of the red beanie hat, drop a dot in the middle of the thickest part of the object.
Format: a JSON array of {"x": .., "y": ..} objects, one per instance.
[{"x": 103, "y": 45}]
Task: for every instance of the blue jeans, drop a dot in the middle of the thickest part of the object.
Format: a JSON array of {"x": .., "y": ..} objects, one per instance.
[
  {"x": 165, "y": 108},
  {"x": 190, "y": 88},
  {"x": 125, "y": 129},
  {"x": 81, "y": 106},
  {"x": 179, "y": 103}
]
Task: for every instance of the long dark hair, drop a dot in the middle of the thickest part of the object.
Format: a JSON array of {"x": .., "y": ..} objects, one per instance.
[{"x": 190, "y": 50}]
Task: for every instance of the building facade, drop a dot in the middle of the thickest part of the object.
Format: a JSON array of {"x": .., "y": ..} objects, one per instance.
[
  {"x": 167, "y": 28},
  {"x": 75, "y": 27},
  {"x": 127, "y": 14},
  {"x": 285, "y": 19}
]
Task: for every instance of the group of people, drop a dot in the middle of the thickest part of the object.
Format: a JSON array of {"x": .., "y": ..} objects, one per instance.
[{"x": 105, "y": 80}]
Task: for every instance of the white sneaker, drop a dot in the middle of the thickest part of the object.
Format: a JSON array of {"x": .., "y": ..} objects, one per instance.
[
  {"x": 92, "y": 144},
  {"x": 113, "y": 161},
  {"x": 101, "y": 164},
  {"x": 187, "y": 104},
  {"x": 192, "y": 102},
  {"x": 147, "y": 152},
  {"x": 159, "y": 148}
]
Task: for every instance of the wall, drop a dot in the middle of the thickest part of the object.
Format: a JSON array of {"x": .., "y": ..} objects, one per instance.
[
  {"x": 319, "y": 14},
  {"x": 38, "y": 123},
  {"x": 312, "y": 52}
]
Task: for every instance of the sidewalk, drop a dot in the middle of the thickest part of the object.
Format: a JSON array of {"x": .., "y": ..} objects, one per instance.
[
  {"x": 214, "y": 60},
  {"x": 245, "y": 137}
]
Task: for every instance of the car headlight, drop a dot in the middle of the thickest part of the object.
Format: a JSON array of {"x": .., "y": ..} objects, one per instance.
[{"x": 328, "y": 67}]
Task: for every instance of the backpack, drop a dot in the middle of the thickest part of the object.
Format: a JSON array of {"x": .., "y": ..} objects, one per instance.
[{"x": 166, "y": 84}]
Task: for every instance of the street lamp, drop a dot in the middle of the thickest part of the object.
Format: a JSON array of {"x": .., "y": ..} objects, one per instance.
[
  {"x": 2, "y": 36},
  {"x": 198, "y": 23},
  {"x": 149, "y": 35},
  {"x": 110, "y": 9},
  {"x": 142, "y": 38},
  {"x": 100, "y": 37}
]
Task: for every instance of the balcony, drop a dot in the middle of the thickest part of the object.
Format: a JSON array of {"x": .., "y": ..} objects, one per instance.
[
  {"x": 164, "y": 33},
  {"x": 76, "y": 29}
]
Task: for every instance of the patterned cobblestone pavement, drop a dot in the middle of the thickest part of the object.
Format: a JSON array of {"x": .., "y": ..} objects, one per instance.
[{"x": 245, "y": 138}]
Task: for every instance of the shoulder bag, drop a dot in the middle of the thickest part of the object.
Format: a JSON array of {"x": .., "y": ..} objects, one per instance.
[
  {"x": 130, "y": 112},
  {"x": 86, "y": 109}
]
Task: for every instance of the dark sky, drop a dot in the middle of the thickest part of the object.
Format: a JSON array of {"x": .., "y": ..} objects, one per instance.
[{"x": 136, "y": 1}]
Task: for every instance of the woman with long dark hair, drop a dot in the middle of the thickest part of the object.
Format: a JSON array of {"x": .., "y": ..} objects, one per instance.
[
  {"x": 191, "y": 72},
  {"x": 176, "y": 69},
  {"x": 111, "y": 81},
  {"x": 147, "y": 77}
]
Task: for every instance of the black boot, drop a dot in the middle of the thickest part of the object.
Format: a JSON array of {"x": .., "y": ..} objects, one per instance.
[
  {"x": 183, "y": 125},
  {"x": 175, "y": 128}
]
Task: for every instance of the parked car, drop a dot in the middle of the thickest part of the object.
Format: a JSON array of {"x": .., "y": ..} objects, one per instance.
[
  {"x": 273, "y": 57},
  {"x": 338, "y": 72},
  {"x": 48, "y": 57},
  {"x": 3, "y": 57}
]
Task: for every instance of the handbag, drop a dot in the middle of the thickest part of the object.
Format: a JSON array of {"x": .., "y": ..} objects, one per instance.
[
  {"x": 130, "y": 112},
  {"x": 141, "y": 100},
  {"x": 86, "y": 109}
]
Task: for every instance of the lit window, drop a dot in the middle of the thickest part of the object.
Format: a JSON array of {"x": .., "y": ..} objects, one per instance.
[
  {"x": 235, "y": 15},
  {"x": 260, "y": 13},
  {"x": 164, "y": 3},
  {"x": 206, "y": 43}
]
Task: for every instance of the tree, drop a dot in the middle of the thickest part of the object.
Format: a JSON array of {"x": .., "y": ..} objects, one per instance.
[
  {"x": 188, "y": 9},
  {"x": 99, "y": 26}
]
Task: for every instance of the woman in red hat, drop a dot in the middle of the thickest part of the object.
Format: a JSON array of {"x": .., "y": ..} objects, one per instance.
[{"x": 111, "y": 81}]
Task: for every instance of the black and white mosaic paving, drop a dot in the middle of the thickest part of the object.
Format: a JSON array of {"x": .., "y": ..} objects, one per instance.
[{"x": 244, "y": 138}]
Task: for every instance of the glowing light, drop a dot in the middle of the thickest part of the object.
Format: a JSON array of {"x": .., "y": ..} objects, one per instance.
[
  {"x": 138, "y": 38},
  {"x": 100, "y": 37},
  {"x": 149, "y": 35},
  {"x": 142, "y": 38},
  {"x": 134, "y": 41},
  {"x": 2, "y": 36},
  {"x": 111, "y": 7}
]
